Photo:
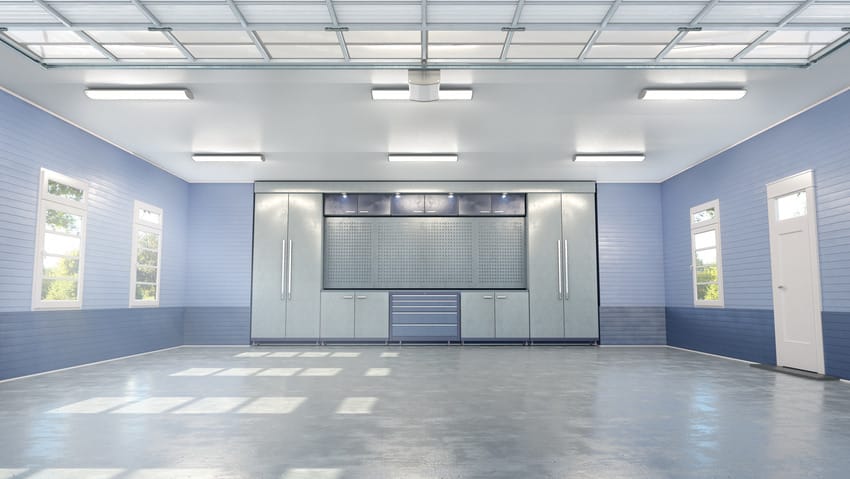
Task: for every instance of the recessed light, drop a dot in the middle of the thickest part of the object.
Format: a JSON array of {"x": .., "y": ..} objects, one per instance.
[
  {"x": 608, "y": 157},
  {"x": 139, "y": 93},
  {"x": 426, "y": 157},
  {"x": 456, "y": 94},
  {"x": 692, "y": 94},
  {"x": 404, "y": 94},
  {"x": 228, "y": 157}
]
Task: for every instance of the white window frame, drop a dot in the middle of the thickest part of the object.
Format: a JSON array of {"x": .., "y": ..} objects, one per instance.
[
  {"x": 146, "y": 226},
  {"x": 712, "y": 224},
  {"x": 80, "y": 208}
]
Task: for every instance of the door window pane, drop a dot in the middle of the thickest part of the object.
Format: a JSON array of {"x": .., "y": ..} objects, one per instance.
[
  {"x": 704, "y": 240},
  {"x": 147, "y": 258},
  {"x": 149, "y": 216},
  {"x": 148, "y": 240},
  {"x": 704, "y": 215},
  {"x": 791, "y": 206}
]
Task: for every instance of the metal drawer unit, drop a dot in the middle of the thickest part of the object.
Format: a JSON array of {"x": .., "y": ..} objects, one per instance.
[{"x": 431, "y": 316}]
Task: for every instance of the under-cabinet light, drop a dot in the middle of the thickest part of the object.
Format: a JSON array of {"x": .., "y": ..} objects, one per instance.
[
  {"x": 404, "y": 94},
  {"x": 692, "y": 94},
  {"x": 139, "y": 93},
  {"x": 609, "y": 157},
  {"x": 240, "y": 158},
  {"x": 416, "y": 157}
]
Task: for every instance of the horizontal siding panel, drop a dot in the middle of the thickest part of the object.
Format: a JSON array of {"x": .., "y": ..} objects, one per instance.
[
  {"x": 746, "y": 334},
  {"x": 836, "y": 343},
  {"x": 624, "y": 325},
  {"x": 217, "y": 325}
]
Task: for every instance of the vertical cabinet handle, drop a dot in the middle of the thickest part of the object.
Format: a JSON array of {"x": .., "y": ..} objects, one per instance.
[
  {"x": 283, "y": 270},
  {"x": 566, "y": 271},
  {"x": 560, "y": 271},
  {"x": 289, "y": 274}
]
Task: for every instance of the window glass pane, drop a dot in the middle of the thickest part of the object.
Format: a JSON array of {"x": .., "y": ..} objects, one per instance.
[
  {"x": 704, "y": 215},
  {"x": 59, "y": 289},
  {"x": 704, "y": 240},
  {"x": 708, "y": 292},
  {"x": 707, "y": 274},
  {"x": 62, "y": 222},
  {"x": 791, "y": 206},
  {"x": 146, "y": 274},
  {"x": 148, "y": 240},
  {"x": 146, "y": 292},
  {"x": 60, "y": 267},
  {"x": 707, "y": 257},
  {"x": 61, "y": 245},
  {"x": 64, "y": 191},
  {"x": 149, "y": 216},
  {"x": 147, "y": 258}
]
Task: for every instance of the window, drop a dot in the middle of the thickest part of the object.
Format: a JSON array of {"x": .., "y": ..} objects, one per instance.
[
  {"x": 147, "y": 253},
  {"x": 791, "y": 206},
  {"x": 705, "y": 254},
  {"x": 60, "y": 242}
]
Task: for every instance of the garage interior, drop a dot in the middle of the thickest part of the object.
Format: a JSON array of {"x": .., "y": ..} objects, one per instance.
[{"x": 335, "y": 239}]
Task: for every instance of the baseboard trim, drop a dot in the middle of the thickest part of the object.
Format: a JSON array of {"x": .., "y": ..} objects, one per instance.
[
  {"x": 712, "y": 355},
  {"x": 216, "y": 346},
  {"x": 89, "y": 364},
  {"x": 633, "y": 346}
]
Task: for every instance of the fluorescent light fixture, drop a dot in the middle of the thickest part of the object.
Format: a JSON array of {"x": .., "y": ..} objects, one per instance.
[
  {"x": 404, "y": 94},
  {"x": 424, "y": 157},
  {"x": 692, "y": 94},
  {"x": 139, "y": 93},
  {"x": 229, "y": 157},
  {"x": 608, "y": 157}
]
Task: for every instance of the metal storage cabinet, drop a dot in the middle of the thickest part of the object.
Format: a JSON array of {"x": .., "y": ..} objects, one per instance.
[
  {"x": 511, "y": 204},
  {"x": 440, "y": 205},
  {"x": 477, "y": 315},
  {"x": 337, "y": 314},
  {"x": 511, "y": 314},
  {"x": 373, "y": 204},
  {"x": 562, "y": 266},
  {"x": 336, "y": 205},
  {"x": 474, "y": 204},
  {"x": 372, "y": 314},
  {"x": 287, "y": 274},
  {"x": 408, "y": 205}
]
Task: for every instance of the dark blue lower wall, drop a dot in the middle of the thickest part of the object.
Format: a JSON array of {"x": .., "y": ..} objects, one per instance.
[
  {"x": 836, "y": 344},
  {"x": 746, "y": 334},
  {"x": 217, "y": 325},
  {"x": 632, "y": 325},
  {"x": 37, "y": 341}
]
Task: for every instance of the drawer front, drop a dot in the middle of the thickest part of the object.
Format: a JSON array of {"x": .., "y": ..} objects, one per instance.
[{"x": 424, "y": 315}]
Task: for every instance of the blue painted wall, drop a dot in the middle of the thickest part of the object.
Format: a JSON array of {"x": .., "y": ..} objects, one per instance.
[
  {"x": 218, "y": 278},
  {"x": 31, "y": 139},
  {"x": 817, "y": 140},
  {"x": 631, "y": 258}
]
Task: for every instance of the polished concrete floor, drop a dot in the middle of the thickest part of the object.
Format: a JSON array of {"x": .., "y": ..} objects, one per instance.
[{"x": 423, "y": 412}]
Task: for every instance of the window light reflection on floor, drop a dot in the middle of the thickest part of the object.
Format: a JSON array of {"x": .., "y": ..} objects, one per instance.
[
  {"x": 168, "y": 473},
  {"x": 272, "y": 405},
  {"x": 212, "y": 405},
  {"x": 153, "y": 405},
  {"x": 197, "y": 372},
  {"x": 279, "y": 372},
  {"x": 314, "y": 354},
  {"x": 389, "y": 355},
  {"x": 313, "y": 473},
  {"x": 251, "y": 354},
  {"x": 283, "y": 354},
  {"x": 357, "y": 405},
  {"x": 81, "y": 473},
  {"x": 94, "y": 405},
  {"x": 378, "y": 372},
  {"x": 239, "y": 372},
  {"x": 321, "y": 372},
  {"x": 345, "y": 355}
]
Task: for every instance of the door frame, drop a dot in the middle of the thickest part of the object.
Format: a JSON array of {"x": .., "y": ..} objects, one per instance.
[{"x": 803, "y": 181}]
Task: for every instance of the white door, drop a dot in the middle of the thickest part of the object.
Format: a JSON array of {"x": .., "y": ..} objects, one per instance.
[{"x": 795, "y": 272}]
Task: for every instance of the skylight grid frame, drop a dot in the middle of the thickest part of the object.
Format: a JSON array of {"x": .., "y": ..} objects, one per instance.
[{"x": 240, "y": 23}]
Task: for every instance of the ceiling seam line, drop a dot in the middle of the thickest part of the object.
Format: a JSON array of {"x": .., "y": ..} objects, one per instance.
[
  {"x": 340, "y": 38},
  {"x": 681, "y": 35},
  {"x": 598, "y": 31},
  {"x": 170, "y": 36},
  {"x": 255, "y": 39},
  {"x": 423, "y": 36},
  {"x": 764, "y": 36},
  {"x": 85, "y": 36},
  {"x": 510, "y": 36}
]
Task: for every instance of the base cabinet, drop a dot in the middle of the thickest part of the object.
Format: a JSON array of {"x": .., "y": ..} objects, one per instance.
[
  {"x": 355, "y": 315},
  {"x": 494, "y": 315}
]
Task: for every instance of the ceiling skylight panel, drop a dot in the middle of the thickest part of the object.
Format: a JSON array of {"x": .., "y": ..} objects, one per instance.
[
  {"x": 285, "y": 13},
  {"x": 224, "y": 51},
  {"x": 466, "y": 37},
  {"x": 16, "y": 13},
  {"x": 304, "y": 52},
  {"x": 128, "y": 36},
  {"x": 378, "y": 13},
  {"x": 464, "y": 51},
  {"x": 804, "y": 36},
  {"x": 536, "y": 13},
  {"x": 207, "y": 37},
  {"x": 177, "y": 13},
  {"x": 100, "y": 12},
  {"x": 722, "y": 36},
  {"x": 705, "y": 51},
  {"x": 565, "y": 36},
  {"x": 391, "y": 36},
  {"x": 636, "y": 36},
  {"x": 544, "y": 52},
  {"x": 625, "y": 52},
  {"x": 469, "y": 13},
  {"x": 671, "y": 13},
  {"x": 748, "y": 13},
  {"x": 384, "y": 52},
  {"x": 784, "y": 51},
  {"x": 42, "y": 36},
  {"x": 159, "y": 52},
  {"x": 825, "y": 13},
  {"x": 295, "y": 36},
  {"x": 66, "y": 51}
]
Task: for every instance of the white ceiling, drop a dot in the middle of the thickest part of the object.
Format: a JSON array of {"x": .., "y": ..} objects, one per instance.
[{"x": 522, "y": 124}]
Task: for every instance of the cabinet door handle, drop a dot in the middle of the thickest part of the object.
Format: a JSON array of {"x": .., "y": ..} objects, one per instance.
[
  {"x": 361, "y": 297},
  {"x": 484, "y": 211},
  {"x": 499, "y": 211},
  {"x": 348, "y": 296},
  {"x": 289, "y": 274},
  {"x": 560, "y": 271},
  {"x": 487, "y": 296},
  {"x": 566, "y": 271},
  {"x": 283, "y": 269},
  {"x": 501, "y": 297},
  {"x": 364, "y": 211},
  {"x": 350, "y": 211}
]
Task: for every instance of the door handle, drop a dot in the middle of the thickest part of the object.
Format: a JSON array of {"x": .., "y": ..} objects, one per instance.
[
  {"x": 501, "y": 297},
  {"x": 487, "y": 296},
  {"x": 560, "y": 271},
  {"x": 781, "y": 286},
  {"x": 364, "y": 211},
  {"x": 283, "y": 269},
  {"x": 289, "y": 274},
  {"x": 361, "y": 297},
  {"x": 348, "y": 296},
  {"x": 566, "y": 271}
]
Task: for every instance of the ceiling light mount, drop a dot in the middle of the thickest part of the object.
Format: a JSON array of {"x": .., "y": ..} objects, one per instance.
[
  {"x": 513, "y": 29},
  {"x": 336, "y": 29},
  {"x": 159, "y": 29},
  {"x": 424, "y": 84},
  {"x": 692, "y": 93},
  {"x": 3, "y": 29},
  {"x": 228, "y": 157},
  {"x": 608, "y": 157},
  {"x": 422, "y": 157},
  {"x": 845, "y": 29},
  {"x": 133, "y": 93},
  {"x": 689, "y": 29}
]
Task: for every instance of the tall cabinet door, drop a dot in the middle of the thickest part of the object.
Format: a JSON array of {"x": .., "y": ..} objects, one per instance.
[
  {"x": 545, "y": 281},
  {"x": 579, "y": 259},
  {"x": 268, "y": 295},
  {"x": 304, "y": 271}
]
